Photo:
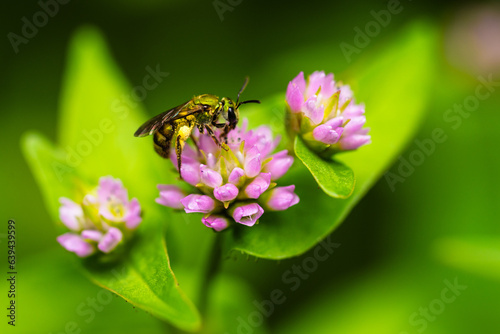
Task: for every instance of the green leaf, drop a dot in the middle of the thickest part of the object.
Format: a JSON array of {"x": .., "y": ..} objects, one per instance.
[
  {"x": 97, "y": 140},
  {"x": 100, "y": 113},
  {"x": 54, "y": 176},
  {"x": 394, "y": 84},
  {"x": 72, "y": 298},
  {"x": 480, "y": 255},
  {"x": 336, "y": 179}
]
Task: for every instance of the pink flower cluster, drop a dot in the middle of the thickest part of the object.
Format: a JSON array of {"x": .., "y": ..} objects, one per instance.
[
  {"x": 324, "y": 114},
  {"x": 235, "y": 183},
  {"x": 102, "y": 221}
]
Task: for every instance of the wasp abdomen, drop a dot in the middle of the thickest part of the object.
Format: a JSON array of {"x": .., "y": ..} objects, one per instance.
[{"x": 162, "y": 139}]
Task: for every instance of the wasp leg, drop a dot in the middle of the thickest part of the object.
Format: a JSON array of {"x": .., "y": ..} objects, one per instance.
[
  {"x": 214, "y": 138},
  {"x": 212, "y": 134},
  {"x": 219, "y": 125},
  {"x": 179, "y": 145},
  {"x": 224, "y": 133},
  {"x": 182, "y": 134}
]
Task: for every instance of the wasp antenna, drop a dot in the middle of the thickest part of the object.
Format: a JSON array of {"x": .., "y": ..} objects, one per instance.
[
  {"x": 242, "y": 89},
  {"x": 248, "y": 101}
]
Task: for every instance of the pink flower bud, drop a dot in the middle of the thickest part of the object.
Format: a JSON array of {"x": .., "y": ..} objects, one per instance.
[
  {"x": 110, "y": 240},
  {"x": 216, "y": 222},
  {"x": 279, "y": 165},
  {"x": 248, "y": 214},
  {"x": 75, "y": 243},
  {"x": 226, "y": 193},
  {"x": 281, "y": 198},
  {"x": 170, "y": 196},
  {"x": 258, "y": 185},
  {"x": 210, "y": 177},
  {"x": 198, "y": 203}
]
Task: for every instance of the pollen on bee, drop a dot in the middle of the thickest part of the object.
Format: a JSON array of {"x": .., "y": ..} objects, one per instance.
[{"x": 184, "y": 132}]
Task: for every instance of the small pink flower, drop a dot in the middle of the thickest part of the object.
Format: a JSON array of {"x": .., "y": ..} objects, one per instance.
[
  {"x": 248, "y": 214},
  {"x": 228, "y": 177},
  {"x": 198, "y": 203},
  {"x": 218, "y": 223},
  {"x": 97, "y": 222},
  {"x": 325, "y": 115},
  {"x": 114, "y": 204},
  {"x": 282, "y": 198},
  {"x": 170, "y": 196}
]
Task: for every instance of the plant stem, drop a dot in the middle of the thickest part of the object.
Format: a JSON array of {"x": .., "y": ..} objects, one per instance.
[{"x": 214, "y": 260}]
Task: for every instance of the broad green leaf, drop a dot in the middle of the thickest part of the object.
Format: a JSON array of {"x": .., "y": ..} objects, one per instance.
[
  {"x": 55, "y": 177},
  {"x": 97, "y": 140},
  {"x": 336, "y": 179},
  {"x": 71, "y": 303},
  {"x": 480, "y": 255},
  {"x": 100, "y": 113},
  {"x": 394, "y": 84}
]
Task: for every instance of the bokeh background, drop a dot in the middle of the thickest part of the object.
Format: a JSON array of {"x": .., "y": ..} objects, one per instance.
[{"x": 399, "y": 245}]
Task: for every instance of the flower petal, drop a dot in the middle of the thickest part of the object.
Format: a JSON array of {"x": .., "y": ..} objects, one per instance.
[
  {"x": 110, "y": 187},
  {"x": 93, "y": 235},
  {"x": 133, "y": 217},
  {"x": 313, "y": 111},
  {"x": 75, "y": 243},
  {"x": 354, "y": 141},
  {"x": 71, "y": 214},
  {"x": 170, "y": 196},
  {"x": 110, "y": 240}
]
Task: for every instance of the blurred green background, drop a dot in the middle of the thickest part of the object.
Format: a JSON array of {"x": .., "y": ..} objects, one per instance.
[{"x": 397, "y": 248}]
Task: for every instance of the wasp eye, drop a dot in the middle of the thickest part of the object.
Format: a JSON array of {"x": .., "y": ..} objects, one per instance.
[{"x": 231, "y": 115}]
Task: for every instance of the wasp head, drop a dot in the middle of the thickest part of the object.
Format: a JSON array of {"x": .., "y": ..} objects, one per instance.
[{"x": 229, "y": 111}]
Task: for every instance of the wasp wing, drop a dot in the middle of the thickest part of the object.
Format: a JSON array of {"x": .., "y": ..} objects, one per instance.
[{"x": 156, "y": 122}]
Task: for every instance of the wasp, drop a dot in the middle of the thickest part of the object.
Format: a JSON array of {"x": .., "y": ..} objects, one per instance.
[{"x": 203, "y": 111}]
